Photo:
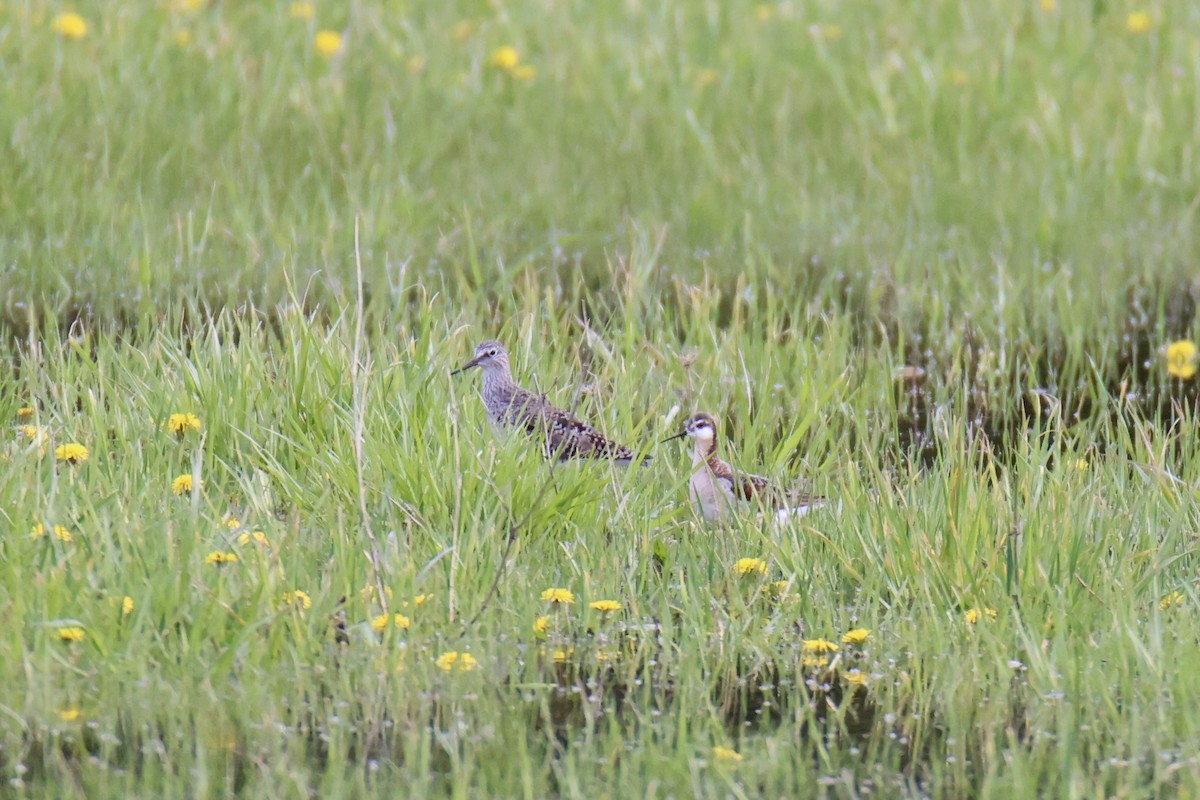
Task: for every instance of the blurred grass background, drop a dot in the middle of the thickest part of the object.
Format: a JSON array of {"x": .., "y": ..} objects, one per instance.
[
  {"x": 770, "y": 211},
  {"x": 1024, "y": 157}
]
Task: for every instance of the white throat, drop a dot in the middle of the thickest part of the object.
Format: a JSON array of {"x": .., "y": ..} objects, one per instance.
[{"x": 702, "y": 448}]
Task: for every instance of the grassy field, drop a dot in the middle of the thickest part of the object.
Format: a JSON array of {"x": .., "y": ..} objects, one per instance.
[{"x": 924, "y": 258}]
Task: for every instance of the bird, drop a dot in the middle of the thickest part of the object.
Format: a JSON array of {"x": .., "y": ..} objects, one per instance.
[
  {"x": 720, "y": 491},
  {"x": 511, "y": 406}
]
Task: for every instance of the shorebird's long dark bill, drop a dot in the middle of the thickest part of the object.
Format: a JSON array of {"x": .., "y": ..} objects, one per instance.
[
  {"x": 679, "y": 435},
  {"x": 474, "y": 362}
]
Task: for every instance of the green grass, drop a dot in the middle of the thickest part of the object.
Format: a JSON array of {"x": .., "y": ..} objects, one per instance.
[{"x": 760, "y": 211}]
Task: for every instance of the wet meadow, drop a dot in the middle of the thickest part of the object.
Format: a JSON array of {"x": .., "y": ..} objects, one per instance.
[{"x": 935, "y": 261}]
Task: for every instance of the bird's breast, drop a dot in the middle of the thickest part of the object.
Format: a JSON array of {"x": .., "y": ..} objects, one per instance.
[{"x": 713, "y": 495}]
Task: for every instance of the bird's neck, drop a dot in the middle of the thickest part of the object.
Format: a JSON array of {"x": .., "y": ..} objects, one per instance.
[
  {"x": 497, "y": 382},
  {"x": 702, "y": 450}
]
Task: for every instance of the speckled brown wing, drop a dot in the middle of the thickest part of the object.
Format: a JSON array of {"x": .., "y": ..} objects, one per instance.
[
  {"x": 564, "y": 436},
  {"x": 515, "y": 408},
  {"x": 746, "y": 486},
  {"x": 569, "y": 437},
  {"x": 721, "y": 470},
  {"x": 757, "y": 489}
]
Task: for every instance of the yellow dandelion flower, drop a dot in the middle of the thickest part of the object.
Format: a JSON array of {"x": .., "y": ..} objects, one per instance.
[
  {"x": 856, "y": 677},
  {"x": 556, "y": 595},
  {"x": 744, "y": 566},
  {"x": 973, "y": 615},
  {"x": 258, "y": 537},
  {"x": 219, "y": 557},
  {"x": 819, "y": 646},
  {"x": 1047, "y": 5},
  {"x": 813, "y": 661},
  {"x": 1182, "y": 359},
  {"x": 561, "y": 655},
  {"x": 233, "y": 522},
  {"x": 539, "y": 624},
  {"x": 380, "y": 622},
  {"x": 183, "y": 37},
  {"x": 764, "y": 12},
  {"x": 184, "y": 6},
  {"x": 419, "y": 600},
  {"x": 1081, "y": 464},
  {"x": 126, "y": 605},
  {"x": 605, "y": 606},
  {"x": 465, "y": 662},
  {"x": 69, "y": 25},
  {"x": 182, "y": 423},
  {"x": 855, "y": 636},
  {"x": 60, "y": 532},
  {"x": 25, "y": 411},
  {"x": 523, "y": 72},
  {"x": 71, "y": 452},
  {"x": 505, "y": 57},
  {"x": 69, "y": 714},
  {"x": 298, "y": 598},
  {"x": 328, "y": 43},
  {"x": 1137, "y": 22},
  {"x": 727, "y": 754},
  {"x": 182, "y": 484},
  {"x": 71, "y": 634},
  {"x": 34, "y": 433},
  {"x": 1171, "y": 599},
  {"x": 301, "y": 10}
]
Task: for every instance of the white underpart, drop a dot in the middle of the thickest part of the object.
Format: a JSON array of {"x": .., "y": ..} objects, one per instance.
[
  {"x": 787, "y": 513},
  {"x": 713, "y": 495}
]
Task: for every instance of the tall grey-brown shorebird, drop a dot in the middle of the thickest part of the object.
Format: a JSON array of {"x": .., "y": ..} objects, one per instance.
[
  {"x": 720, "y": 491},
  {"x": 512, "y": 407}
]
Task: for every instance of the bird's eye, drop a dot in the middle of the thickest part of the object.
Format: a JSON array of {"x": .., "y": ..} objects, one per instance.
[{"x": 491, "y": 352}]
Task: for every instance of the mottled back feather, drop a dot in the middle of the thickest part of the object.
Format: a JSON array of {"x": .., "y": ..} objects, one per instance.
[
  {"x": 747, "y": 486},
  {"x": 563, "y": 435}
]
